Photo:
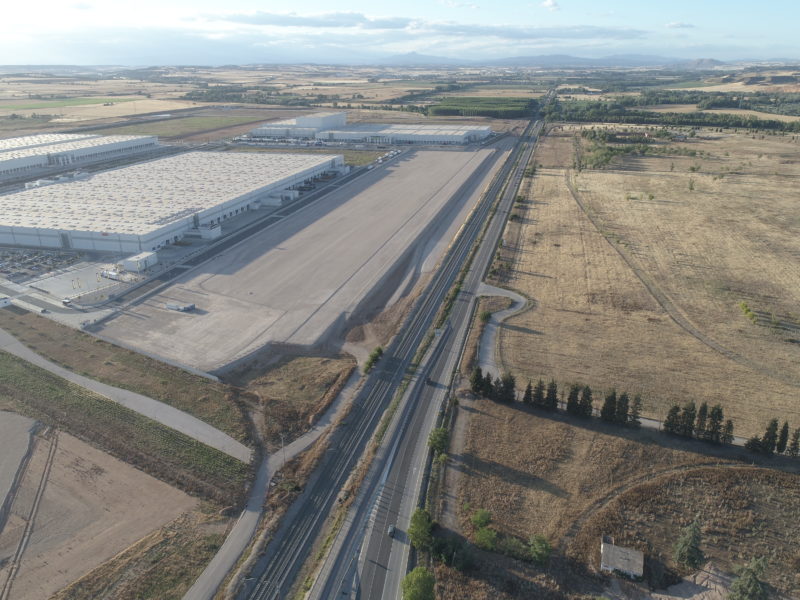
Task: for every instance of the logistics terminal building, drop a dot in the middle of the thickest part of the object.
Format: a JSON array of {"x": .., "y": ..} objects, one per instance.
[
  {"x": 145, "y": 206},
  {"x": 332, "y": 127},
  {"x": 32, "y": 154}
]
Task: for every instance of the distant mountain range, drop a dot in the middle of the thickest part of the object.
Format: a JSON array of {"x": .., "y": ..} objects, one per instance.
[{"x": 413, "y": 59}]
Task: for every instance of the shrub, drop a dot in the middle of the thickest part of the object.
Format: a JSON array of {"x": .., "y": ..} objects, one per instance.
[
  {"x": 539, "y": 549},
  {"x": 481, "y": 518},
  {"x": 486, "y": 539}
]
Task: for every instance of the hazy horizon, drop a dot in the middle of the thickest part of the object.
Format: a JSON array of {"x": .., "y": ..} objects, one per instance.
[{"x": 242, "y": 31}]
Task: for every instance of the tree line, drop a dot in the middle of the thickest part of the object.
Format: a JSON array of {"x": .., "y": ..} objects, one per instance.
[{"x": 706, "y": 424}]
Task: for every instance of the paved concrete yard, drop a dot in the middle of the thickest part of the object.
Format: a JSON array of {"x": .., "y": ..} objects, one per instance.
[
  {"x": 15, "y": 433},
  {"x": 303, "y": 280}
]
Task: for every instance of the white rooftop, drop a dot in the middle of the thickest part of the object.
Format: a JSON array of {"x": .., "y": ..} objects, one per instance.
[
  {"x": 381, "y": 129},
  {"x": 71, "y": 145},
  {"x": 43, "y": 139},
  {"x": 142, "y": 198}
]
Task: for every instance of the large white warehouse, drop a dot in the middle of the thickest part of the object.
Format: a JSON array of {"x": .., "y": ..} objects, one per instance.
[
  {"x": 301, "y": 127},
  {"x": 332, "y": 127},
  {"x": 407, "y": 134},
  {"x": 145, "y": 206},
  {"x": 31, "y": 155}
]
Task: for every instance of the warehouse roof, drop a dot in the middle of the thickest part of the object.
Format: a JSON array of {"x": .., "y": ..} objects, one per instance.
[
  {"x": 43, "y": 139},
  {"x": 72, "y": 146},
  {"x": 142, "y": 198},
  {"x": 390, "y": 130}
]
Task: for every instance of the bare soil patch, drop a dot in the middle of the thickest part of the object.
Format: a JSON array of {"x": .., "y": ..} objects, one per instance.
[
  {"x": 93, "y": 507},
  {"x": 731, "y": 238},
  {"x": 490, "y": 304}
]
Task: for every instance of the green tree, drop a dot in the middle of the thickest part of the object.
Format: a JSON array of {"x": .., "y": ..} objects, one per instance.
[
  {"x": 727, "y": 433},
  {"x": 621, "y": 412},
  {"x": 527, "y": 397},
  {"x": 748, "y": 586},
  {"x": 783, "y": 438},
  {"x": 418, "y": 585},
  {"x": 770, "y": 439},
  {"x": 713, "y": 430},
  {"x": 551, "y": 398},
  {"x": 476, "y": 381},
  {"x": 439, "y": 439},
  {"x": 687, "y": 550},
  {"x": 488, "y": 385},
  {"x": 634, "y": 418},
  {"x": 540, "y": 550},
  {"x": 486, "y": 538},
  {"x": 609, "y": 410},
  {"x": 481, "y": 518},
  {"x": 587, "y": 408},
  {"x": 700, "y": 423},
  {"x": 420, "y": 530},
  {"x": 686, "y": 420},
  {"x": 573, "y": 400},
  {"x": 508, "y": 388},
  {"x": 497, "y": 389},
  {"x": 672, "y": 422},
  {"x": 794, "y": 446},
  {"x": 538, "y": 394}
]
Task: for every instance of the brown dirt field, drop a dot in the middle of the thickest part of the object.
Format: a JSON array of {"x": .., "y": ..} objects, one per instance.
[
  {"x": 293, "y": 393},
  {"x": 160, "y": 566},
  {"x": 593, "y": 321},
  {"x": 215, "y": 403},
  {"x": 93, "y": 507},
  {"x": 571, "y": 481}
]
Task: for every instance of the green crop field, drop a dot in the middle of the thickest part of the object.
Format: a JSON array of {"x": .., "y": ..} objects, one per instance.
[{"x": 478, "y": 106}]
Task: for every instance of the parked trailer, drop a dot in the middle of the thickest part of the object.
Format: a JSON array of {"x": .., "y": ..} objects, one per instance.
[{"x": 180, "y": 307}]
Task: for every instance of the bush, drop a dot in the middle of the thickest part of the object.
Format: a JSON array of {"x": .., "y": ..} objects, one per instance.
[
  {"x": 481, "y": 518},
  {"x": 420, "y": 528},
  {"x": 438, "y": 440},
  {"x": 486, "y": 539},
  {"x": 418, "y": 585},
  {"x": 485, "y": 316},
  {"x": 513, "y": 547},
  {"x": 540, "y": 550},
  {"x": 374, "y": 357}
]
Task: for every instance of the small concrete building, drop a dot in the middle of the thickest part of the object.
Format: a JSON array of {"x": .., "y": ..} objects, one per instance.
[
  {"x": 624, "y": 560},
  {"x": 140, "y": 262},
  {"x": 145, "y": 206}
]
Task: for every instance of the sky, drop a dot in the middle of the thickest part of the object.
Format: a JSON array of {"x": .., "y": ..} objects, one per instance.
[{"x": 202, "y": 32}]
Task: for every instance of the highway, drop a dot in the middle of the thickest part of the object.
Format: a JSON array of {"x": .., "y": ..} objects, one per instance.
[
  {"x": 275, "y": 573},
  {"x": 369, "y": 564}
]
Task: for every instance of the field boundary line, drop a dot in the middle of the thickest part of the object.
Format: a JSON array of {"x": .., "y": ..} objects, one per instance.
[{"x": 669, "y": 307}]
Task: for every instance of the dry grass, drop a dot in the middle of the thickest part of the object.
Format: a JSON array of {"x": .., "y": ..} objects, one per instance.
[
  {"x": 744, "y": 513},
  {"x": 160, "y": 566},
  {"x": 214, "y": 403},
  {"x": 687, "y": 108},
  {"x": 593, "y": 321},
  {"x": 572, "y": 481},
  {"x": 202, "y": 126},
  {"x": 292, "y": 394}
]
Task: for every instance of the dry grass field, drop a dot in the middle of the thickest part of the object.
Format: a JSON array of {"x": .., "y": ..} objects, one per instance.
[
  {"x": 573, "y": 481},
  {"x": 214, "y": 403},
  {"x": 687, "y": 108},
  {"x": 677, "y": 333}
]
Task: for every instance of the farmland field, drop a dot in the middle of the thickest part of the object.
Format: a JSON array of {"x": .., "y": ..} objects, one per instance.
[
  {"x": 701, "y": 251},
  {"x": 183, "y": 126}
]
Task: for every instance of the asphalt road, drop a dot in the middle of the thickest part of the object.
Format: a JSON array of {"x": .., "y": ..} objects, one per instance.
[
  {"x": 384, "y": 560},
  {"x": 277, "y": 570}
]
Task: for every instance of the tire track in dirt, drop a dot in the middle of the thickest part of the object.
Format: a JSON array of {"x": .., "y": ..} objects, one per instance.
[
  {"x": 566, "y": 540},
  {"x": 28, "y": 531},
  {"x": 671, "y": 309}
]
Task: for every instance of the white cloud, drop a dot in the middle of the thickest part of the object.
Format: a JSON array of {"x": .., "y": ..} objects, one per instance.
[
  {"x": 455, "y": 4},
  {"x": 679, "y": 25},
  {"x": 551, "y": 5}
]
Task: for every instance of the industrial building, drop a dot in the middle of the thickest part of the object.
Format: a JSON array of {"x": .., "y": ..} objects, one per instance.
[
  {"x": 331, "y": 127},
  {"x": 145, "y": 206},
  {"x": 407, "y": 134},
  {"x": 301, "y": 127},
  {"x": 33, "y": 154}
]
